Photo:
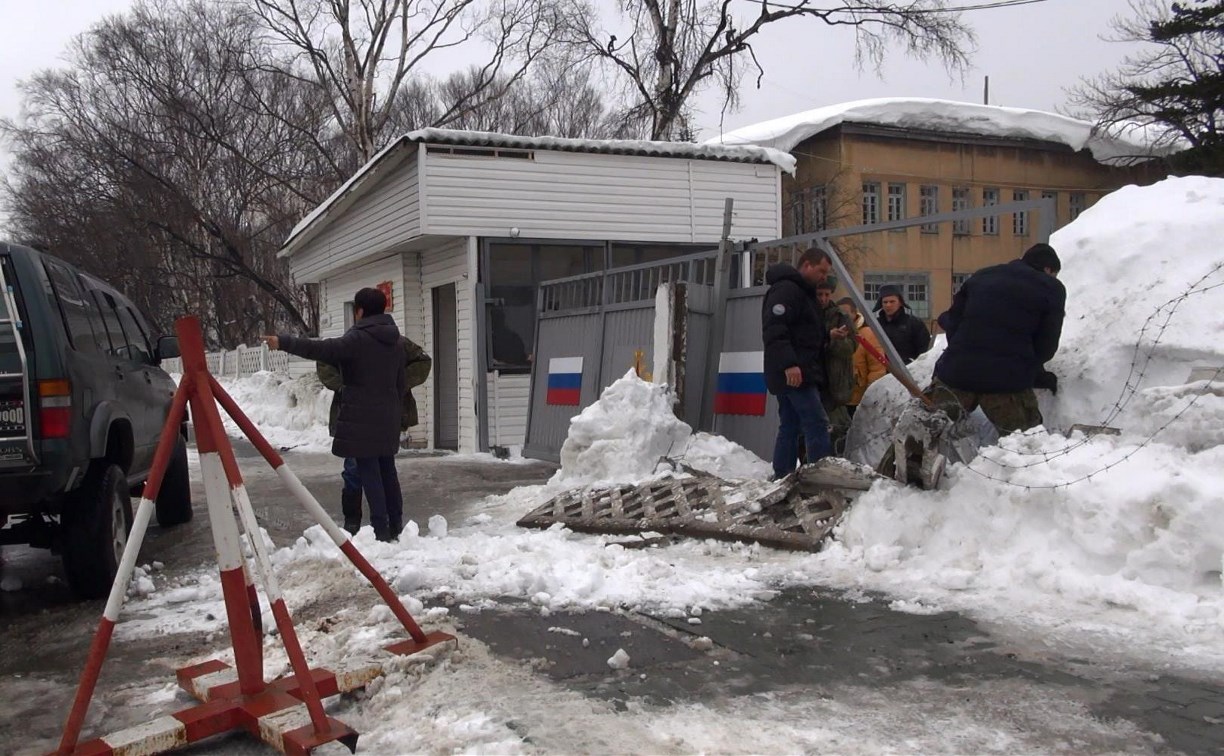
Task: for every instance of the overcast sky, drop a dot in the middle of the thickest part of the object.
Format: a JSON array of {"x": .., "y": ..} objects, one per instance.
[{"x": 1031, "y": 53}]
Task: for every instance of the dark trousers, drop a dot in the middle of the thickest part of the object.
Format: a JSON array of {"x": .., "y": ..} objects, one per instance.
[
  {"x": 352, "y": 481},
  {"x": 800, "y": 412},
  {"x": 382, "y": 490}
]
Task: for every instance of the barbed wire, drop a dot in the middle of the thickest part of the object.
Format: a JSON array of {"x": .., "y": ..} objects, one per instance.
[{"x": 1131, "y": 385}]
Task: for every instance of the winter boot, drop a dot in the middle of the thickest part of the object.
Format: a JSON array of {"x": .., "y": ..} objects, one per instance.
[
  {"x": 397, "y": 527},
  {"x": 350, "y": 506},
  {"x": 382, "y": 531}
]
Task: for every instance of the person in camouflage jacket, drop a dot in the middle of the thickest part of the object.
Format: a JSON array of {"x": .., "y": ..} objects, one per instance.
[{"x": 417, "y": 365}]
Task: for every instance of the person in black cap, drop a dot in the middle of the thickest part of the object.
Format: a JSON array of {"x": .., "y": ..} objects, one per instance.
[
  {"x": 1003, "y": 326},
  {"x": 908, "y": 334}
]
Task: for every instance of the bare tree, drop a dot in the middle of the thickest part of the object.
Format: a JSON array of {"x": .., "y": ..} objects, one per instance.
[
  {"x": 1173, "y": 87},
  {"x": 366, "y": 53},
  {"x": 153, "y": 137},
  {"x": 667, "y": 50}
]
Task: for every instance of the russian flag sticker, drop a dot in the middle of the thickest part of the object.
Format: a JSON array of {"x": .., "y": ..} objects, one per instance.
[
  {"x": 564, "y": 381},
  {"x": 741, "y": 384}
]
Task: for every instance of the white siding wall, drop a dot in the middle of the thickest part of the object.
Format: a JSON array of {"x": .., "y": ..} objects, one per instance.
[
  {"x": 416, "y": 304},
  {"x": 509, "y": 396},
  {"x": 389, "y": 215},
  {"x": 340, "y": 286},
  {"x": 566, "y": 195},
  {"x": 455, "y": 263}
]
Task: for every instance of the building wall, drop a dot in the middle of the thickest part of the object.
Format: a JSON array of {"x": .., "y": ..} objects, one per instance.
[
  {"x": 842, "y": 159},
  {"x": 568, "y": 195},
  {"x": 389, "y": 215}
]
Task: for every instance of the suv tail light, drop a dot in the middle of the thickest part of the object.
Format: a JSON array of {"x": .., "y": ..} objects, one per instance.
[{"x": 55, "y": 408}]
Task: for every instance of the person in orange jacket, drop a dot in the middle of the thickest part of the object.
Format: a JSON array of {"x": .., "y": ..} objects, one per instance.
[{"x": 870, "y": 364}]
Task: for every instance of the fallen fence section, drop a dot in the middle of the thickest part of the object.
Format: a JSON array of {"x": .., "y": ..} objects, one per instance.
[{"x": 797, "y": 512}]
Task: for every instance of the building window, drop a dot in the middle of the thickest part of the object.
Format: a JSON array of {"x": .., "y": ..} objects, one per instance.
[
  {"x": 958, "y": 280},
  {"x": 871, "y": 202},
  {"x": 896, "y": 203},
  {"x": 819, "y": 208},
  {"x": 928, "y": 204},
  {"x": 990, "y": 224},
  {"x": 1052, "y": 195},
  {"x": 1020, "y": 220},
  {"x": 915, "y": 286},
  {"x": 511, "y": 275},
  {"x": 1076, "y": 204},
  {"x": 961, "y": 200},
  {"x": 798, "y": 221}
]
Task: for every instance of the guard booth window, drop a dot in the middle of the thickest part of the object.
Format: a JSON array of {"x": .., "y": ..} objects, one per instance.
[{"x": 511, "y": 273}]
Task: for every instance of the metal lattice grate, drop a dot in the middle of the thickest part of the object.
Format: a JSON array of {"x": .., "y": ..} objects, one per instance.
[{"x": 798, "y": 512}]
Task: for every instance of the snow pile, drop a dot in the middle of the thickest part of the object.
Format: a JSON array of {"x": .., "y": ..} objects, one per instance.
[
  {"x": 1113, "y": 535},
  {"x": 945, "y": 116},
  {"x": 622, "y": 437},
  {"x": 289, "y": 412}
]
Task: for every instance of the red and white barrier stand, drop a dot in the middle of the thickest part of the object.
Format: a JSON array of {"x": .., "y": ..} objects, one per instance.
[{"x": 286, "y": 713}]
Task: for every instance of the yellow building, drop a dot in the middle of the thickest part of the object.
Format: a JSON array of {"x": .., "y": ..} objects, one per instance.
[{"x": 875, "y": 161}]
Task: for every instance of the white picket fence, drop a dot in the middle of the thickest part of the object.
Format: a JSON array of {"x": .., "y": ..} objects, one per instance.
[{"x": 244, "y": 361}]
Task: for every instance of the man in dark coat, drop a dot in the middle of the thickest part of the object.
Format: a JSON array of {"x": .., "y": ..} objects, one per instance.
[
  {"x": 1003, "y": 326},
  {"x": 908, "y": 334},
  {"x": 371, "y": 360},
  {"x": 795, "y": 338},
  {"x": 417, "y": 365}
]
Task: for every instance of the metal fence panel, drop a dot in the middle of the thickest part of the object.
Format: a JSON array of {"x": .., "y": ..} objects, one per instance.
[
  {"x": 560, "y": 337},
  {"x": 743, "y": 334}
]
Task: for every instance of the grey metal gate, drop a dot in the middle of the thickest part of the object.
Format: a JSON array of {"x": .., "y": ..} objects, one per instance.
[{"x": 607, "y": 318}]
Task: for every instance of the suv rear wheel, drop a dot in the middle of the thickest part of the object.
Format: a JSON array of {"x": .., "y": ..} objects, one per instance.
[
  {"x": 96, "y": 526},
  {"x": 174, "y": 498}
]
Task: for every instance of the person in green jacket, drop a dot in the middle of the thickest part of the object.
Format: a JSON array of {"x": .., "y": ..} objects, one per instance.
[
  {"x": 839, "y": 366},
  {"x": 417, "y": 365}
]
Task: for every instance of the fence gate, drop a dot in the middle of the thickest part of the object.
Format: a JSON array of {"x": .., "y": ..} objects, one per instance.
[{"x": 591, "y": 329}]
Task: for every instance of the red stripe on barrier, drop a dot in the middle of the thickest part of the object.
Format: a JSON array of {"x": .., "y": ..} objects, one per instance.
[
  {"x": 245, "y": 425},
  {"x": 384, "y": 590},
  {"x": 301, "y": 670},
  {"x": 89, "y": 679},
  {"x": 248, "y": 655}
]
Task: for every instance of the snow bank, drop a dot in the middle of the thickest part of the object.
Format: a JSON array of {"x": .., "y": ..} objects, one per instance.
[
  {"x": 290, "y": 412},
  {"x": 623, "y": 438},
  {"x": 944, "y": 116},
  {"x": 1110, "y": 536}
]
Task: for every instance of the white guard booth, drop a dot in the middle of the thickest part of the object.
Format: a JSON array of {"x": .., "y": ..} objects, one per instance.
[{"x": 459, "y": 228}]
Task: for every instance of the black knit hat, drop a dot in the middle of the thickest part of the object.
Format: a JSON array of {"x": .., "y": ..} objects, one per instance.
[
  {"x": 890, "y": 290},
  {"x": 1042, "y": 256}
]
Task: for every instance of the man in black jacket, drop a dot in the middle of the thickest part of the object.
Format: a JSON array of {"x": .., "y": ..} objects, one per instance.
[
  {"x": 795, "y": 337},
  {"x": 370, "y": 356},
  {"x": 1003, "y": 326},
  {"x": 908, "y": 334}
]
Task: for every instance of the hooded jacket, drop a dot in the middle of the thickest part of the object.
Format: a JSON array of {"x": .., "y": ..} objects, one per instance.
[
  {"x": 792, "y": 329},
  {"x": 1004, "y": 324},
  {"x": 417, "y": 364},
  {"x": 371, "y": 362},
  {"x": 867, "y": 369}
]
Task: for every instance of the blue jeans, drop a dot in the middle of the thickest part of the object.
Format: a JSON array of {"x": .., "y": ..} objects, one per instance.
[
  {"x": 800, "y": 411},
  {"x": 380, "y": 481},
  {"x": 352, "y": 481}
]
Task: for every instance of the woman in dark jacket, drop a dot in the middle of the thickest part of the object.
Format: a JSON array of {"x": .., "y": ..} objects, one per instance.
[{"x": 371, "y": 362}]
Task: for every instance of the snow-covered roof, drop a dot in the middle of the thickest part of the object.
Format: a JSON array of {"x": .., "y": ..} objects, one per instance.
[
  {"x": 948, "y": 116},
  {"x": 739, "y": 153}
]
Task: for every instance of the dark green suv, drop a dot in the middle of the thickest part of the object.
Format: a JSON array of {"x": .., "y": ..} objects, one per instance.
[{"x": 82, "y": 405}]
